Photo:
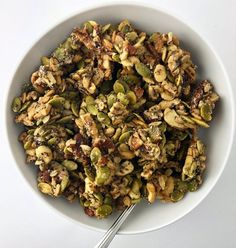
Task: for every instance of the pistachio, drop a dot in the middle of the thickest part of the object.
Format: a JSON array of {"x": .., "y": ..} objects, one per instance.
[{"x": 160, "y": 73}]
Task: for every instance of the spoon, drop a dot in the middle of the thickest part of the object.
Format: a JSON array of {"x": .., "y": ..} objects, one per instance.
[{"x": 111, "y": 232}]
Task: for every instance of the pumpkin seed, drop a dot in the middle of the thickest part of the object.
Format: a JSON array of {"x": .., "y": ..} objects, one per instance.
[
  {"x": 103, "y": 211},
  {"x": 75, "y": 108},
  {"x": 143, "y": 70},
  {"x": 89, "y": 100},
  {"x": 206, "y": 112},
  {"x": 102, "y": 175},
  {"x": 92, "y": 109},
  {"x": 103, "y": 118},
  {"x": 16, "y": 104},
  {"x": 45, "y": 60},
  {"x": 70, "y": 165},
  {"x": 177, "y": 196},
  {"x": 118, "y": 87},
  {"x": 160, "y": 73},
  {"x": 131, "y": 97},
  {"x": 124, "y": 137},
  {"x": 200, "y": 122},
  {"x": 57, "y": 102},
  {"x": 95, "y": 155},
  {"x": 66, "y": 119},
  {"x": 123, "y": 98},
  {"x": 45, "y": 188},
  {"x": 193, "y": 185}
]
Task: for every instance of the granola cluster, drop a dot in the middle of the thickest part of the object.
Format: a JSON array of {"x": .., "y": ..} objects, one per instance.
[{"x": 112, "y": 116}]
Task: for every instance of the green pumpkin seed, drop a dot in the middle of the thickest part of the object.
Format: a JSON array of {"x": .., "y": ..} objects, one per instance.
[
  {"x": 89, "y": 172},
  {"x": 52, "y": 141},
  {"x": 75, "y": 109},
  {"x": 70, "y": 132},
  {"x": 108, "y": 199},
  {"x": 193, "y": 185},
  {"x": 99, "y": 197},
  {"x": 70, "y": 165},
  {"x": 130, "y": 79},
  {"x": 105, "y": 28},
  {"x": 88, "y": 27},
  {"x": 116, "y": 58},
  {"x": 102, "y": 175},
  {"x": 95, "y": 155},
  {"x": 164, "y": 53},
  {"x": 66, "y": 119},
  {"x": 45, "y": 188},
  {"x": 177, "y": 196},
  {"x": 25, "y": 106},
  {"x": 124, "y": 137},
  {"x": 64, "y": 183},
  {"x": 103, "y": 118},
  {"x": 143, "y": 70},
  {"x": 103, "y": 211},
  {"x": 57, "y": 102},
  {"x": 16, "y": 105},
  {"x": 45, "y": 60},
  {"x": 206, "y": 112},
  {"x": 111, "y": 99},
  {"x": 200, "y": 122},
  {"x": 92, "y": 109},
  {"x": 131, "y": 36},
  {"x": 131, "y": 97},
  {"x": 123, "y": 98},
  {"x": 118, "y": 87},
  {"x": 89, "y": 100},
  {"x": 27, "y": 144}
]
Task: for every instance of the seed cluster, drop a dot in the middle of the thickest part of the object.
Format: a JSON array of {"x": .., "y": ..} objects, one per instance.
[{"x": 112, "y": 116}]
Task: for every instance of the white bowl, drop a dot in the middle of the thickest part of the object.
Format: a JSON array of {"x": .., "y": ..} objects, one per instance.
[{"x": 218, "y": 138}]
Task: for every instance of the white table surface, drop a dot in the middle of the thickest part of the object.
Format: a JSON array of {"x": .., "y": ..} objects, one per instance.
[{"x": 26, "y": 223}]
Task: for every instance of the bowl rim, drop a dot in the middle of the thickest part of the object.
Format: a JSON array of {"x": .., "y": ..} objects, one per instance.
[{"x": 92, "y": 5}]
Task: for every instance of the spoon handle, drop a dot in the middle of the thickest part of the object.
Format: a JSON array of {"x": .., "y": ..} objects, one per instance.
[{"x": 111, "y": 232}]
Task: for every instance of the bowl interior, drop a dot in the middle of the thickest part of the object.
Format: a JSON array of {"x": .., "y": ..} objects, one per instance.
[{"x": 218, "y": 138}]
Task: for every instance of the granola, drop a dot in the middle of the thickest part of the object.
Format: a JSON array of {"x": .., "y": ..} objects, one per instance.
[{"x": 112, "y": 116}]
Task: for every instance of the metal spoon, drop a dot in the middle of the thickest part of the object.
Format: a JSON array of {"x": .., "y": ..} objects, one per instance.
[{"x": 110, "y": 234}]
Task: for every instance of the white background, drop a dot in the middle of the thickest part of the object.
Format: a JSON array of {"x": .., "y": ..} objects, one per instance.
[{"x": 26, "y": 223}]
